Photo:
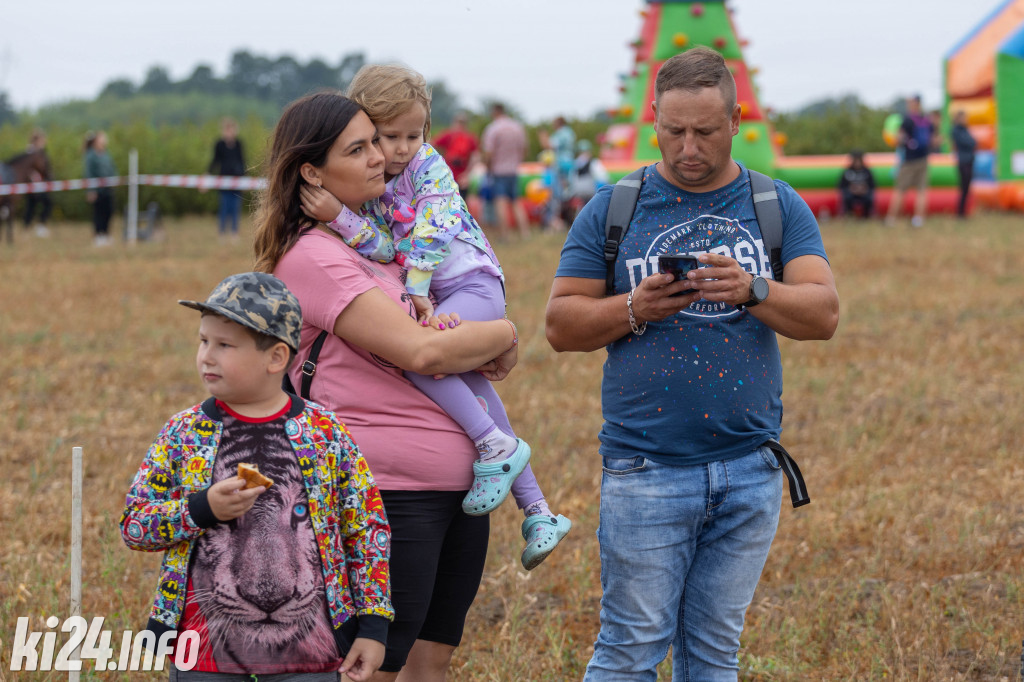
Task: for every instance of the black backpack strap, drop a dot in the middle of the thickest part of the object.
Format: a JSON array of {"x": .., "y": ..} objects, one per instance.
[
  {"x": 769, "y": 218},
  {"x": 309, "y": 366},
  {"x": 797, "y": 487},
  {"x": 620, "y": 212}
]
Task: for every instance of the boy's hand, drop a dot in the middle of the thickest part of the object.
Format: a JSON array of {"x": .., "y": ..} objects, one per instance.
[
  {"x": 319, "y": 204},
  {"x": 363, "y": 659},
  {"x": 228, "y": 500},
  {"x": 424, "y": 309}
]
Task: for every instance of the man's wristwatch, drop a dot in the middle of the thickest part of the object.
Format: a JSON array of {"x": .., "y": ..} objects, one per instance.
[{"x": 758, "y": 291}]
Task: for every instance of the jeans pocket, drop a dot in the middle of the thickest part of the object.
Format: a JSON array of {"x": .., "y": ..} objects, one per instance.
[
  {"x": 618, "y": 466},
  {"x": 768, "y": 455}
]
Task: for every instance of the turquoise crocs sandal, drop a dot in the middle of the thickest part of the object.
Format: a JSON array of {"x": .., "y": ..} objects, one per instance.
[
  {"x": 542, "y": 534},
  {"x": 493, "y": 480}
]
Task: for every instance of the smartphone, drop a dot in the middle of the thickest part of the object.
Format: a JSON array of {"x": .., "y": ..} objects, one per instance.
[{"x": 678, "y": 264}]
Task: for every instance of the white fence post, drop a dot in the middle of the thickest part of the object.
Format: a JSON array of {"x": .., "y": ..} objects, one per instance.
[
  {"x": 133, "y": 196},
  {"x": 76, "y": 544}
]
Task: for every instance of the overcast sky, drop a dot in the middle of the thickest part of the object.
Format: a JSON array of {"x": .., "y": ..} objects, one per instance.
[{"x": 544, "y": 57}]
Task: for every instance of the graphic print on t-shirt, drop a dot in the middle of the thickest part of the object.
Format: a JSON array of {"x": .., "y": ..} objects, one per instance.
[
  {"x": 257, "y": 582},
  {"x": 704, "y": 234}
]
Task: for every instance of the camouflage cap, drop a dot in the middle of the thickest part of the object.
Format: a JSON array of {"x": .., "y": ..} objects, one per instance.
[{"x": 258, "y": 301}]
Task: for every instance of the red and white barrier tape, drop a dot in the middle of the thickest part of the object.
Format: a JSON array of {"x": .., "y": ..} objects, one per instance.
[{"x": 199, "y": 181}]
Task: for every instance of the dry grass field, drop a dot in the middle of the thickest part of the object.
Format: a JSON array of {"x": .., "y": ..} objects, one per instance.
[{"x": 907, "y": 425}]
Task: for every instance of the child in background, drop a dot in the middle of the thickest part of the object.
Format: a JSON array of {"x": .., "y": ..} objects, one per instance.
[
  {"x": 857, "y": 187},
  {"x": 290, "y": 578},
  {"x": 422, "y": 222}
]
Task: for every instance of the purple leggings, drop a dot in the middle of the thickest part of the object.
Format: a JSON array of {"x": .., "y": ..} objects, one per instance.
[{"x": 469, "y": 398}]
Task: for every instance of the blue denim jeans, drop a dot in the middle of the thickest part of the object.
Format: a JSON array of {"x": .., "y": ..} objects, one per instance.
[
  {"x": 228, "y": 211},
  {"x": 682, "y": 549}
]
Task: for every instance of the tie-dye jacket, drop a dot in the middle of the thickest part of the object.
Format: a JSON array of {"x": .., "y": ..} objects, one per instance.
[
  {"x": 415, "y": 223},
  {"x": 166, "y": 510}
]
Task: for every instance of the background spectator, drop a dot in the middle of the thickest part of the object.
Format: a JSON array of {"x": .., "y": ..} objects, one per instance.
[
  {"x": 228, "y": 160},
  {"x": 857, "y": 187},
  {"x": 98, "y": 164},
  {"x": 458, "y": 146}
]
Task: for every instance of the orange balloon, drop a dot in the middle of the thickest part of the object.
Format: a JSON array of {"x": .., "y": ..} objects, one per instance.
[
  {"x": 1007, "y": 195},
  {"x": 536, "y": 192}
]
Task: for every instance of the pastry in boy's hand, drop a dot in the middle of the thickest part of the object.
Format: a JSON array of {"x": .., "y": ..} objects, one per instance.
[{"x": 250, "y": 473}]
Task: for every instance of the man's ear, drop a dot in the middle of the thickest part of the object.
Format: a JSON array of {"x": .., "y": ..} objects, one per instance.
[{"x": 310, "y": 174}]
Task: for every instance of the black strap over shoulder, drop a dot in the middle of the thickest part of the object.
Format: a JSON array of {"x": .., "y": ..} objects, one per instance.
[
  {"x": 308, "y": 369},
  {"x": 309, "y": 366},
  {"x": 769, "y": 218},
  {"x": 620, "y": 212}
]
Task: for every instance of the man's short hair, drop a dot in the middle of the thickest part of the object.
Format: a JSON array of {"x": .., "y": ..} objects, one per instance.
[{"x": 696, "y": 69}]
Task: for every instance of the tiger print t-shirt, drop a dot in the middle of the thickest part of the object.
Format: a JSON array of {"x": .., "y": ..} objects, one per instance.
[{"x": 256, "y": 588}]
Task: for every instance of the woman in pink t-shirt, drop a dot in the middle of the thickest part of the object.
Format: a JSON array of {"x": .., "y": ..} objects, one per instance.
[{"x": 420, "y": 458}]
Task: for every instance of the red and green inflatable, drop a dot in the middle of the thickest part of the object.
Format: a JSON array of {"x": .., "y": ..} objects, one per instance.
[{"x": 670, "y": 27}]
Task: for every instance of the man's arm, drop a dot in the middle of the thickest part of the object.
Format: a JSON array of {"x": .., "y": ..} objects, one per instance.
[
  {"x": 807, "y": 303},
  {"x": 580, "y": 317},
  {"x": 803, "y": 306}
]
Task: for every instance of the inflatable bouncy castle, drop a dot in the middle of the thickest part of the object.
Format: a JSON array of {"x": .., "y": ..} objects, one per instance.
[{"x": 984, "y": 76}]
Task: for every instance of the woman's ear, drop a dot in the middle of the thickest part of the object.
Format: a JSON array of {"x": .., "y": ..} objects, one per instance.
[{"x": 310, "y": 174}]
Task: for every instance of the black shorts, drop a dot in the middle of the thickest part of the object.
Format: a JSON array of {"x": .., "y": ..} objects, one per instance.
[{"x": 437, "y": 561}]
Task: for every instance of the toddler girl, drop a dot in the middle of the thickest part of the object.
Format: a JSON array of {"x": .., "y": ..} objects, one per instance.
[{"x": 422, "y": 222}]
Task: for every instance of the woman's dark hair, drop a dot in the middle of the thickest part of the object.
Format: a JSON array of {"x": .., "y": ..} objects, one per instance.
[{"x": 304, "y": 134}]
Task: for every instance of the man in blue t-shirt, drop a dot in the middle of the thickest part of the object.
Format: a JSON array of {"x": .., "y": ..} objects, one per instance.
[
  {"x": 692, "y": 388},
  {"x": 916, "y": 138}
]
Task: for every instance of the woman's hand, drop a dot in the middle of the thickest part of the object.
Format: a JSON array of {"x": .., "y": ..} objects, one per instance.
[
  {"x": 394, "y": 335},
  {"x": 319, "y": 204},
  {"x": 442, "y": 321},
  {"x": 439, "y": 322},
  {"x": 498, "y": 368}
]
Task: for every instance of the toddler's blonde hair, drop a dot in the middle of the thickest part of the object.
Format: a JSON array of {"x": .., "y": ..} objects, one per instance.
[{"x": 386, "y": 91}]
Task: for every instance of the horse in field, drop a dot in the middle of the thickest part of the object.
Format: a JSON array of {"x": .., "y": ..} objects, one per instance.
[{"x": 31, "y": 166}]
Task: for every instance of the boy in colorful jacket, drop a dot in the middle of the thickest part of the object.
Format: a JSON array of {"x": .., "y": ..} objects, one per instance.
[{"x": 291, "y": 577}]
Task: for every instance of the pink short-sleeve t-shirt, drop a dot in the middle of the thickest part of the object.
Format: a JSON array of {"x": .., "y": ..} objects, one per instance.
[{"x": 409, "y": 442}]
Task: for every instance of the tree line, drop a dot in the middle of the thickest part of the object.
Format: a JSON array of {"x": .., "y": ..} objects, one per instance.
[{"x": 174, "y": 124}]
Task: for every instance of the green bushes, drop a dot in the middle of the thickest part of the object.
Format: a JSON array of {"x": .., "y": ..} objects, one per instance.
[{"x": 166, "y": 148}]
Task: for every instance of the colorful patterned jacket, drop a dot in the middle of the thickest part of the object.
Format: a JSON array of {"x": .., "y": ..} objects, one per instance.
[
  {"x": 415, "y": 222},
  {"x": 166, "y": 510}
]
